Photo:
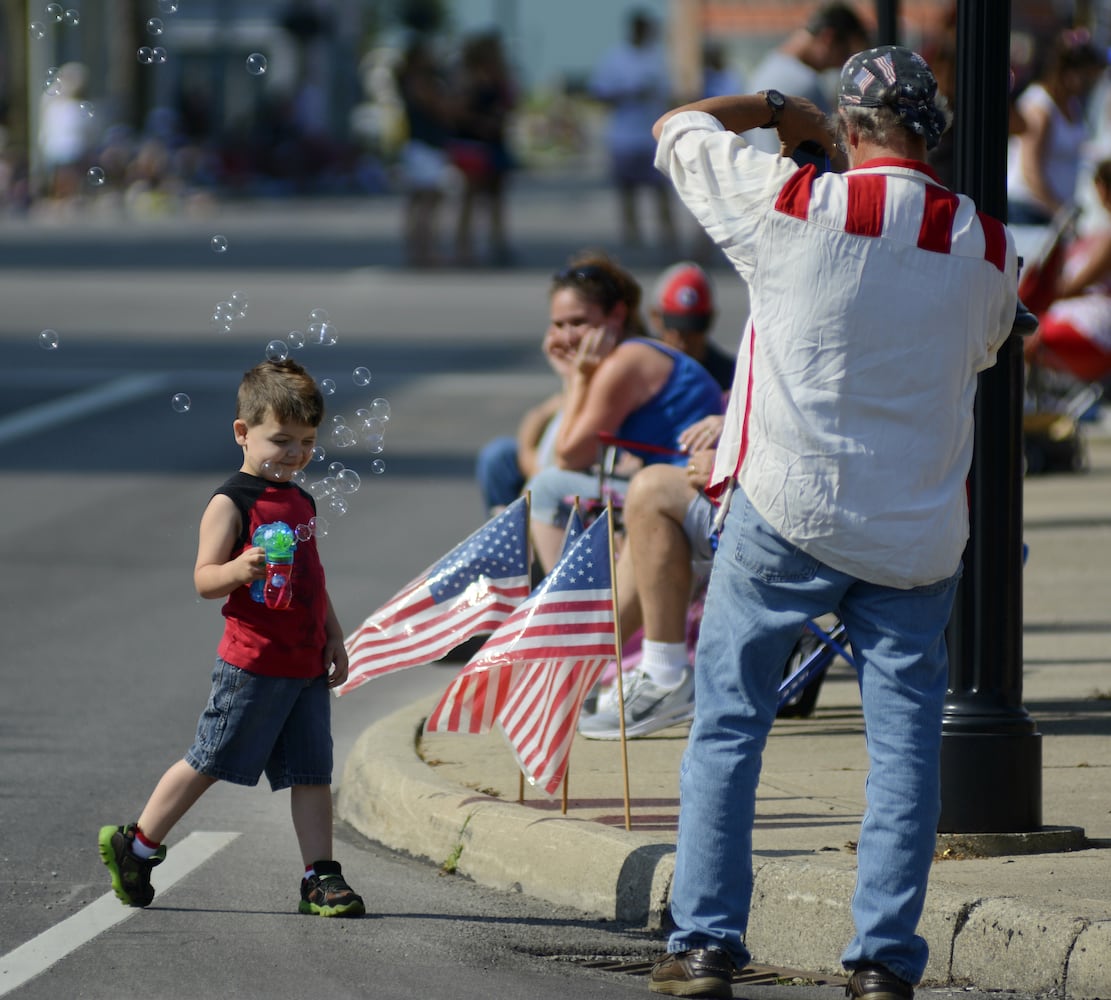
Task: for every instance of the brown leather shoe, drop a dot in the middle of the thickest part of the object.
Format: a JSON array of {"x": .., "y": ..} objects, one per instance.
[
  {"x": 700, "y": 972},
  {"x": 874, "y": 982}
]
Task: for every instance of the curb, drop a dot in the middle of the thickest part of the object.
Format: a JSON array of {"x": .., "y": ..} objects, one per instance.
[
  {"x": 800, "y": 915},
  {"x": 391, "y": 796}
]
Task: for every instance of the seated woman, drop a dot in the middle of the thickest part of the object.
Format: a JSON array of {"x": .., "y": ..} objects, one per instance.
[
  {"x": 618, "y": 382},
  {"x": 1074, "y": 334}
]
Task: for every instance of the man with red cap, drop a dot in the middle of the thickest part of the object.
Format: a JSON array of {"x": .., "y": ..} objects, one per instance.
[
  {"x": 682, "y": 313},
  {"x": 877, "y": 296}
]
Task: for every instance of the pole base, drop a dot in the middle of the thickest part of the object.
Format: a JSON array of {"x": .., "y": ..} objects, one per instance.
[
  {"x": 1047, "y": 840},
  {"x": 991, "y": 783}
]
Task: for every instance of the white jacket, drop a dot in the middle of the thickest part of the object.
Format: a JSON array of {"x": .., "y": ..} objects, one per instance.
[{"x": 876, "y": 298}]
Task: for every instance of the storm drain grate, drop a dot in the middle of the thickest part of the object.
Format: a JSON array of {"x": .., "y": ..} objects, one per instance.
[{"x": 752, "y": 975}]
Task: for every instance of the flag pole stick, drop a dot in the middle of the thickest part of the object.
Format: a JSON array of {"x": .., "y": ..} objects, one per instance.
[
  {"x": 528, "y": 563},
  {"x": 620, "y": 682},
  {"x": 566, "y": 775}
]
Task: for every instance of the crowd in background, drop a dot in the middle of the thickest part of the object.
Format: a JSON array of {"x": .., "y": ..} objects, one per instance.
[{"x": 444, "y": 121}]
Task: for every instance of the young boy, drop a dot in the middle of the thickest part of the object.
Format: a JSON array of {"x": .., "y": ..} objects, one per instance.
[{"x": 269, "y": 709}]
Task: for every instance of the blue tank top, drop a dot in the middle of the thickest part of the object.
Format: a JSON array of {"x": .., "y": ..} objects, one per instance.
[{"x": 689, "y": 394}]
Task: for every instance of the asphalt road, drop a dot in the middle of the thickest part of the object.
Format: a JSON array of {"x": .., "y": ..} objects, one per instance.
[{"x": 106, "y": 650}]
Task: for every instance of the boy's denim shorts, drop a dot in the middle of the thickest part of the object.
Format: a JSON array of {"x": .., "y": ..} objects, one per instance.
[{"x": 251, "y": 724}]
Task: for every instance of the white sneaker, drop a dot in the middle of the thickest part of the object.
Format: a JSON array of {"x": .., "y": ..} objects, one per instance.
[{"x": 648, "y": 708}]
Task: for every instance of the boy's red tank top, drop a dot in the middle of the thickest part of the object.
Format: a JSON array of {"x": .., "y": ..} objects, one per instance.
[{"x": 262, "y": 640}]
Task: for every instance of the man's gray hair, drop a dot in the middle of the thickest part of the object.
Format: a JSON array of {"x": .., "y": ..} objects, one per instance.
[{"x": 881, "y": 125}]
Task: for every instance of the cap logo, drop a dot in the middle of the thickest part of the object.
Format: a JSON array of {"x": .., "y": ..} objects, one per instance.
[{"x": 687, "y": 297}]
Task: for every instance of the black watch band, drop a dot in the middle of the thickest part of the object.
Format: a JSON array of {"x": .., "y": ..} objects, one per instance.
[{"x": 776, "y": 103}]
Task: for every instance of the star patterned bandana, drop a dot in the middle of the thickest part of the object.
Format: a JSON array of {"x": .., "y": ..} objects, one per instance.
[{"x": 897, "y": 78}]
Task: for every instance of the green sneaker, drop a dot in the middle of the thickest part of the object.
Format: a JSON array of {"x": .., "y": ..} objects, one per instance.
[
  {"x": 130, "y": 874},
  {"x": 327, "y": 894}
]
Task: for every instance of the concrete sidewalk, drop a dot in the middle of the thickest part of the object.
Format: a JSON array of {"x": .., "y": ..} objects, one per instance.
[{"x": 1031, "y": 922}]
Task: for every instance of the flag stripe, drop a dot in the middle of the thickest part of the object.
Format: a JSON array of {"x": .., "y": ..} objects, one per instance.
[
  {"x": 470, "y": 591},
  {"x": 532, "y": 675}
]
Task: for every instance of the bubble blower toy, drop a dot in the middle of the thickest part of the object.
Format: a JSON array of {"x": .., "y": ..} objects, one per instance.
[{"x": 279, "y": 541}]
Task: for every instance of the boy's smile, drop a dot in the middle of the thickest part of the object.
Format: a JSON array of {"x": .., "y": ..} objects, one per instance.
[{"x": 275, "y": 449}]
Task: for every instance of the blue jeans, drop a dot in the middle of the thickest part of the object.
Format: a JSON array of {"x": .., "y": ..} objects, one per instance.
[
  {"x": 499, "y": 476},
  {"x": 762, "y": 589},
  {"x": 253, "y": 723}
]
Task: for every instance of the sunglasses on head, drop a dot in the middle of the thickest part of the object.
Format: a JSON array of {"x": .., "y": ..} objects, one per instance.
[{"x": 589, "y": 275}]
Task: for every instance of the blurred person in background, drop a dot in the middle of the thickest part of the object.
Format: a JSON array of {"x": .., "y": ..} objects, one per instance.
[
  {"x": 65, "y": 133},
  {"x": 480, "y": 148},
  {"x": 430, "y": 114},
  {"x": 797, "y": 66},
  {"x": 633, "y": 80},
  {"x": 1043, "y": 160}
]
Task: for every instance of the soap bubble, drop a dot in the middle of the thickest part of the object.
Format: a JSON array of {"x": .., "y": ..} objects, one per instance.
[
  {"x": 319, "y": 489},
  {"x": 158, "y": 55},
  {"x": 155, "y": 26},
  {"x": 256, "y": 64},
  {"x": 54, "y": 13},
  {"x": 318, "y": 453},
  {"x": 95, "y": 176},
  {"x": 299, "y": 477},
  {"x": 338, "y": 506},
  {"x": 361, "y": 376},
  {"x": 328, "y": 386},
  {"x": 374, "y": 426},
  {"x": 335, "y": 468},
  {"x": 219, "y": 243},
  {"x": 378, "y": 466},
  {"x": 380, "y": 408},
  {"x": 145, "y": 54},
  {"x": 375, "y": 444},
  {"x": 275, "y": 471},
  {"x": 343, "y": 436},
  {"x": 319, "y": 315},
  {"x": 72, "y": 17},
  {"x": 348, "y": 481},
  {"x": 324, "y": 334},
  {"x": 167, "y": 6},
  {"x": 296, "y": 339},
  {"x": 319, "y": 526},
  {"x": 181, "y": 402},
  {"x": 303, "y": 532},
  {"x": 87, "y": 109},
  {"x": 277, "y": 350},
  {"x": 48, "y": 340},
  {"x": 37, "y": 29},
  {"x": 238, "y": 302}
]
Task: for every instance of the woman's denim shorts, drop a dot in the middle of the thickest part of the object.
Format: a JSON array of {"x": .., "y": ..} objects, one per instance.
[{"x": 252, "y": 724}]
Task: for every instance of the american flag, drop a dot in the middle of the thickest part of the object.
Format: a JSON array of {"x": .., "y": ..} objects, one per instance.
[
  {"x": 534, "y": 672},
  {"x": 470, "y": 590}
]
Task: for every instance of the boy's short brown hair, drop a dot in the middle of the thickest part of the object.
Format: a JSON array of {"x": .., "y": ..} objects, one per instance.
[{"x": 281, "y": 388}]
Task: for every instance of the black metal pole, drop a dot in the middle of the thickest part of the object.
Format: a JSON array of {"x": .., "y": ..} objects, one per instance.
[
  {"x": 887, "y": 22},
  {"x": 990, "y": 748}
]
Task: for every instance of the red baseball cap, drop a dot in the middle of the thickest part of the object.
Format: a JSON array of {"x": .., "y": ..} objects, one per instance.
[{"x": 684, "y": 296}]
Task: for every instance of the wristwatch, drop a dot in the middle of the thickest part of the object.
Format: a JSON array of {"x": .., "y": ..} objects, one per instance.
[{"x": 776, "y": 102}]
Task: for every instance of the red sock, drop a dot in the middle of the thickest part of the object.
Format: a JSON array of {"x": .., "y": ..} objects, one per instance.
[
  {"x": 145, "y": 840},
  {"x": 143, "y": 846}
]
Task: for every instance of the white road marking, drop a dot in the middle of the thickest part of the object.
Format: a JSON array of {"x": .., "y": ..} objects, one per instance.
[
  {"x": 51, "y": 946},
  {"x": 80, "y": 404}
]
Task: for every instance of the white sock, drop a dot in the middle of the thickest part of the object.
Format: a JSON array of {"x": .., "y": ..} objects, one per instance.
[
  {"x": 663, "y": 662},
  {"x": 140, "y": 850}
]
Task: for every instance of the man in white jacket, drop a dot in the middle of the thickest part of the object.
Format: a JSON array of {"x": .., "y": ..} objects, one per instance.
[{"x": 877, "y": 295}]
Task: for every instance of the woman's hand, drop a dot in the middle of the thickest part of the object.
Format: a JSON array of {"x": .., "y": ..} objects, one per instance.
[{"x": 595, "y": 346}]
